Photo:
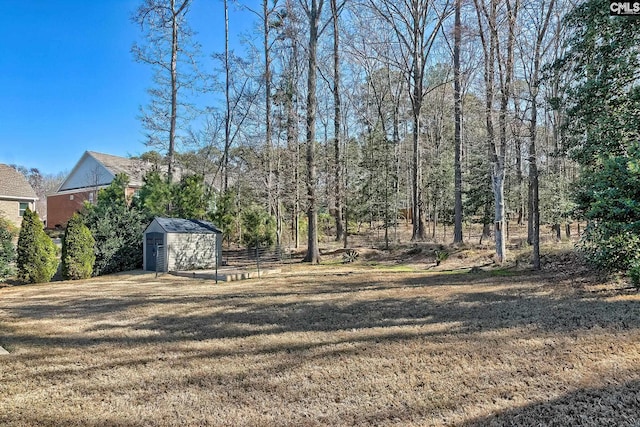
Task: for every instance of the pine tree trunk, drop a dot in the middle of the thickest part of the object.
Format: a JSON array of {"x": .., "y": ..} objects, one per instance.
[
  {"x": 499, "y": 220},
  {"x": 227, "y": 90},
  {"x": 174, "y": 90},
  {"x": 337, "y": 121},
  {"x": 458, "y": 214},
  {"x": 534, "y": 202},
  {"x": 313, "y": 251},
  {"x": 267, "y": 116}
]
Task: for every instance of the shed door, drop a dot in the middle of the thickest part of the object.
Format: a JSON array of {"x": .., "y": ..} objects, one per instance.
[{"x": 153, "y": 240}]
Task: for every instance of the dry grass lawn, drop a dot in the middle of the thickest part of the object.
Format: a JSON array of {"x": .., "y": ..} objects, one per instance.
[{"x": 322, "y": 346}]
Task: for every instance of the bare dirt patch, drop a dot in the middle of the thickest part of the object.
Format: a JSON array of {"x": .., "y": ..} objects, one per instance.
[{"x": 327, "y": 345}]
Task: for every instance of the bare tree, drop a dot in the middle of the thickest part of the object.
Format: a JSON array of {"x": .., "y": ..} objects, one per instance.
[
  {"x": 491, "y": 35},
  {"x": 227, "y": 100},
  {"x": 287, "y": 60},
  {"x": 168, "y": 42},
  {"x": 270, "y": 18},
  {"x": 415, "y": 24},
  {"x": 538, "y": 16}
]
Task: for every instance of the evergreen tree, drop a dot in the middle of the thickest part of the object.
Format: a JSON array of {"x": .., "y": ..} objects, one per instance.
[
  {"x": 259, "y": 228},
  {"x": 155, "y": 196},
  {"x": 603, "y": 133},
  {"x": 37, "y": 259},
  {"x": 190, "y": 198},
  {"x": 117, "y": 228},
  {"x": 225, "y": 214},
  {"x": 78, "y": 254}
]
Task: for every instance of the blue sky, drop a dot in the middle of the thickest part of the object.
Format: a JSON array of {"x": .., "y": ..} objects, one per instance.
[{"x": 68, "y": 81}]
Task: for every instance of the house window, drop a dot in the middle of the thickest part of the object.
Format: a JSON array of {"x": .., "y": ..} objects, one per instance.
[
  {"x": 23, "y": 207},
  {"x": 91, "y": 197},
  {"x": 71, "y": 197}
]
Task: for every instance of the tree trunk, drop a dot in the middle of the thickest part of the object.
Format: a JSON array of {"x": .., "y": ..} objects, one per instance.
[
  {"x": 168, "y": 39},
  {"x": 435, "y": 219},
  {"x": 292, "y": 139},
  {"x": 227, "y": 116},
  {"x": 499, "y": 169},
  {"x": 267, "y": 106},
  {"x": 534, "y": 202},
  {"x": 337, "y": 120},
  {"x": 174, "y": 88},
  {"x": 499, "y": 220},
  {"x": 458, "y": 214},
  {"x": 418, "y": 232},
  {"x": 519, "y": 180},
  {"x": 313, "y": 251}
]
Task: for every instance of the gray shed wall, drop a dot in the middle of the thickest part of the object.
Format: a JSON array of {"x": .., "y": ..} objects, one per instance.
[{"x": 191, "y": 251}]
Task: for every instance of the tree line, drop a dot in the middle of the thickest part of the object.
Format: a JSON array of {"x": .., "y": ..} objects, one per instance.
[
  {"x": 436, "y": 111},
  {"x": 431, "y": 112}
]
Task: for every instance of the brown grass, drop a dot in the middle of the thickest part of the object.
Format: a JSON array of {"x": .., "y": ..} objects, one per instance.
[{"x": 327, "y": 345}]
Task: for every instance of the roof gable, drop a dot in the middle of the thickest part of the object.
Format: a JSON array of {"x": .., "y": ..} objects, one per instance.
[
  {"x": 179, "y": 225},
  {"x": 88, "y": 172},
  {"x": 98, "y": 169},
  {"x": 14, "y": 185}
]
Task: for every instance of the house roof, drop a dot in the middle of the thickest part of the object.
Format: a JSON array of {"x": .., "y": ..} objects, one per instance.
[
  {"x": 194, "y": 226},
  {"x": 98, "y": 169},
  {"x": 134, "y": 168},
  {"x": 14, "y": 185}
]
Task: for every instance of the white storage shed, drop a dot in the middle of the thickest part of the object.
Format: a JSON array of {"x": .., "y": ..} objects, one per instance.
[{"x": 175, "y": 244}]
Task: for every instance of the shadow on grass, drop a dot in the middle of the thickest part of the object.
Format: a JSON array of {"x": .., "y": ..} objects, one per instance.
[
  {"x": 344, "y": 305},
  {"x": 344, "y": 316},
  {"x": 615, "y": 405}
]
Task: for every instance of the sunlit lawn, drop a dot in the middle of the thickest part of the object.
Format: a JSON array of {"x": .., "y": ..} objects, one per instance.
[{"x": 328, "y": 345}]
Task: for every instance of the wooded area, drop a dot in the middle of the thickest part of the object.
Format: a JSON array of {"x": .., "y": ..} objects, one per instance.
[{"x": 428, "y": 112}]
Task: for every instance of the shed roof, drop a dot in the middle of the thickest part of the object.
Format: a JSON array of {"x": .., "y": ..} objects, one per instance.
[
  {"x": 14, "y": 185},
  {"x": 179, "y": 225}
]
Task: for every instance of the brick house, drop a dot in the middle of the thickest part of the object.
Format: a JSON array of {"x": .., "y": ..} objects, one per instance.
[
  {"x": 93, "y": 172},
  {"x": 16, "y": 194}
]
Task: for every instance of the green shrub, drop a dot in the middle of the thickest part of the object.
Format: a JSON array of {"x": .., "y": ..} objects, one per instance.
[
  {"x": 441, "y": 256},
  {"x": 634, "y": 273},
  {"x": 610, "y": 248},
  {"x": 118, "y": 232},
  {"x": 78, "y": 254},
  {"x": 259, "y": 228},
  {"x": 37, "y": 259},
  {"x": 7, "y": 250}
]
